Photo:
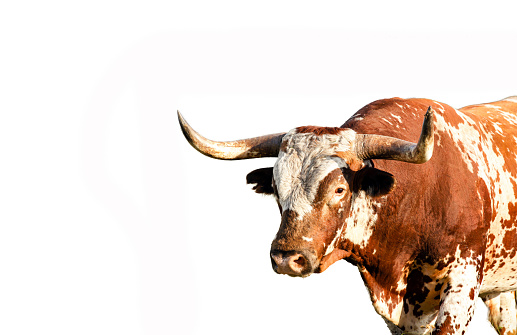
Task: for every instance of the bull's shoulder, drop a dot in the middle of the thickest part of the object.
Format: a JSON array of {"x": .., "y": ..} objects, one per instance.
[{"x": 396, "y": 117}]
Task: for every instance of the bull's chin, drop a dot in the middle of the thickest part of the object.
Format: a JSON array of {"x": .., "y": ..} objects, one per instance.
[
  {"x": 301, "y": 275},
  {"x": 331, "y": 258}
]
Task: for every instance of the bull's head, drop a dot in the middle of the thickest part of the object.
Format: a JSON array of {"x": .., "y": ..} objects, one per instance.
[{"x": 324, "y": 184}]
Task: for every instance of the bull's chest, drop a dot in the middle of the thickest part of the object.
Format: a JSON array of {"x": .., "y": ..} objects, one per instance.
[{"x": 412, "y": 302}]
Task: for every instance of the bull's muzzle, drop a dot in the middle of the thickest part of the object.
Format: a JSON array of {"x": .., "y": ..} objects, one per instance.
[{"x": 293, "y": 263}]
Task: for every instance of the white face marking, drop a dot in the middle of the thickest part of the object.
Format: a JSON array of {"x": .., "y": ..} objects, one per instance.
[
  {"x": 307, "y": 159},
  {"x": 299, "y": 170},
  {"x": 308, "y": 239}
]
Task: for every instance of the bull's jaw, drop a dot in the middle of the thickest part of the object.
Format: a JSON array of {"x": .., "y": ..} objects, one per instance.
[
  {"x": 334, "y": 256},
  {"x": 324, "y": 263},
  {"x": 289, "y": 264}
]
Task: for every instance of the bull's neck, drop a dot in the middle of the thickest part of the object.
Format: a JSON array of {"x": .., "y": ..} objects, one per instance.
[
  {"x": 373, "y": 233},
  {"x": 361, "y": 221},
  {"x": 384, "y": 263}
]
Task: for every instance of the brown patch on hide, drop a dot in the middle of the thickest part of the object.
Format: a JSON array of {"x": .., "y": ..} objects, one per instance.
[
  {"x": 319, "y": 130},
  {"x": 354, "y": 163},
  {"x": 446, "y": 327},
  {"x": 331, "y": 258}
]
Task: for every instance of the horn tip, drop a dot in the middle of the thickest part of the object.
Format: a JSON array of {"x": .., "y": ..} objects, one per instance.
[
  {"x": 180, "y": 117},
  {"x": 429, "y": 111},
  {"x": 187, "y": 131},
  {"x": 185, "y": 128},
  {"x": 428, "y": 117}
]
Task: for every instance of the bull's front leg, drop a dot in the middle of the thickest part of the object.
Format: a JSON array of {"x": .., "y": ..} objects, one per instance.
[{"x": 458, "y": 296}]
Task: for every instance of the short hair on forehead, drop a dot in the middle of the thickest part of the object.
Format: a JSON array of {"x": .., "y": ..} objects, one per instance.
[{"x": 298, "y": 178}]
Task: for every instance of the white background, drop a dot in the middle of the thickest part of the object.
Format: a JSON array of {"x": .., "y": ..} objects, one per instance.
[{"x": 110, "y": 223}]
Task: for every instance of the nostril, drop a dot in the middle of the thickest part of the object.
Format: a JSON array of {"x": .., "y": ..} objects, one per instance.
[
  {"x": 297, "y": 263},
  {"x": 300, "y": 260}
]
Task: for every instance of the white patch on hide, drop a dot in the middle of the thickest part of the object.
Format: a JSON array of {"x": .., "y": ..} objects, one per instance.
[
  {"x": 457, "y": 303},
  {"x": 492, "y": 106},
  {"x": 512, "y": 99},
  {"x": 399, "y": 119},
  {"x": 360, "y": 223},
  {"x": 332, "y": 244}
]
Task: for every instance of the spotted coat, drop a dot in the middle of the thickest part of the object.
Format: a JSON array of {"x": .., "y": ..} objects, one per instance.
[{"x": 428, "y": 239}]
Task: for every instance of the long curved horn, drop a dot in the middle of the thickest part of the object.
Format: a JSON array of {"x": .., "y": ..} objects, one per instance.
[
  {"x": 384, "y": 147},
  {"x": 256, "y": 147}
]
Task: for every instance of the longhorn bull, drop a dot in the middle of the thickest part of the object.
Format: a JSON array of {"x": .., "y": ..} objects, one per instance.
[{"x": 427, "y": 238}]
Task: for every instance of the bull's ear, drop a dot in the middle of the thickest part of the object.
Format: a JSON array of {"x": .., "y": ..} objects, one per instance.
[
  {"x": 375, "y": 183},
  {"x": 263, "y": 178}
]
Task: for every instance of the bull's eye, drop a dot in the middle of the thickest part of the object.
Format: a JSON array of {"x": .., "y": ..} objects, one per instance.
[{"x": 337, "y": 197}]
